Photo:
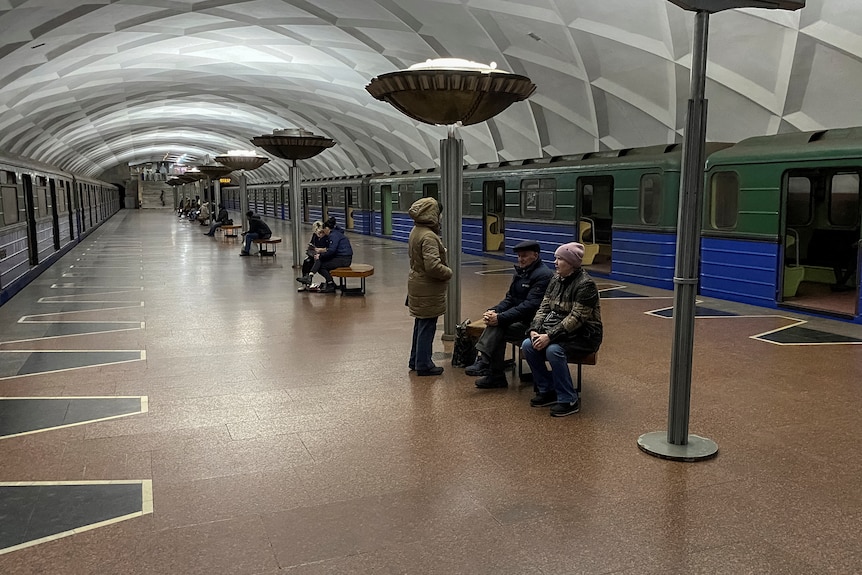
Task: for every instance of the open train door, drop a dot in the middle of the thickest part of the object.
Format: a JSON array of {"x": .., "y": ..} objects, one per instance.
[
  {"x": 493, "y": 215},
  {"x": 818, "y": 270},
  {"x": 595, "y": 221},
  {"x": 30, "y": 206},
  {"x": 349, "y": 224}
]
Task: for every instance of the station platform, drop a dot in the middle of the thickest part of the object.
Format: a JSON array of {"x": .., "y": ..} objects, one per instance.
[{"x": 168, "y": 407}]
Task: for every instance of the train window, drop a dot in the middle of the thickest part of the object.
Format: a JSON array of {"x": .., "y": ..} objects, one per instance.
[
  {"x": 724, "y": 200},
  {"x": 406, "y": 196},
  {"x": 537, "y": 197},
  {"x": 430, "y": 191},
  {"x": 798, "y": 201},
  {"x": 7, "y": 177},
  {"x": 650, "y": 198},
  {"x": 10, "y": 204},
  {"x": 844, "y": 200},
  {"x": 41, "y": 201},
  {"x": 466, "y": 188}
]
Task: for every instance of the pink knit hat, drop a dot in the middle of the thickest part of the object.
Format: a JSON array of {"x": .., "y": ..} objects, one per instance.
[{"x": 572, "y": 252}]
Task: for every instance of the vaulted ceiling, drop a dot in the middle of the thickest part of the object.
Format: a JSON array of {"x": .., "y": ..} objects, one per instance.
[{"x": 89, "y": 85}]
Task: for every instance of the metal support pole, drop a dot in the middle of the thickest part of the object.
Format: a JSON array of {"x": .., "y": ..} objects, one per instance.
[
  {"x": 243, "y": 199},
  {"x": 451, "y": 175},
  {"x": 678, "y": 444},
  {"x": 296, "y": 214}
]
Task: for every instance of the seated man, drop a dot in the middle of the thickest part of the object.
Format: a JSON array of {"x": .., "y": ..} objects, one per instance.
[
  {"x": 338, "y": 254},
  {"x": 222, "y": 219},
  {"x": 568, "y": 323},
  {"x": 257, "y": 229},
  {"x": 509, "y": 319}
]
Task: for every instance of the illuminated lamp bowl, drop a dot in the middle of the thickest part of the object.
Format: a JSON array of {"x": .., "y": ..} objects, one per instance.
[
  {"x": 242, "y": 162},
  {"x": 293, "y": 147},
  {"x": 449, "y": 96}
]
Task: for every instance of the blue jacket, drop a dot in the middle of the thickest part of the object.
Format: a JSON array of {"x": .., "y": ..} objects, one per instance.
[
  {"x": 525, "y": 294},
  {"x": 339, "y": 246}
]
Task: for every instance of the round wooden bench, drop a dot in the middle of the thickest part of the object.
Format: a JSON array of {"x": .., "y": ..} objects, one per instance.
[
  {"x": 360, "y": 271},
  {"x": 264, "y": 245},
  {"x": 230, "y": 231}
]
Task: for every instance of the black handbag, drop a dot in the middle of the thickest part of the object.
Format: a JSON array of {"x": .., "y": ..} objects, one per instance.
[{"x": 464, "y": 348}]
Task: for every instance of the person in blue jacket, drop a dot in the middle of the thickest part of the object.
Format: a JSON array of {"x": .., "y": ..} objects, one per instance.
[
  {"x": 338, "y": 254},
  {"x": 509, "y": 319}
]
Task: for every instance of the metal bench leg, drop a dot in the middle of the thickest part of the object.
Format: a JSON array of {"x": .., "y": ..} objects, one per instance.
[{"x": 579, "y": 380}]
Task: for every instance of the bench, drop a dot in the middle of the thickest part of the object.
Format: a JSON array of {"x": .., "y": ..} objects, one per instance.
[
  {"x": 264, "y": 245},
  {"x": 360, "y": 271},
  {"x": 231, "y": 231},
  {"x": 475, "y": 329}
]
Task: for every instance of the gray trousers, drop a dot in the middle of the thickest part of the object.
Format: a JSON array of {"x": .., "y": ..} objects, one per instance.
[{"x": 492, "y": 343}]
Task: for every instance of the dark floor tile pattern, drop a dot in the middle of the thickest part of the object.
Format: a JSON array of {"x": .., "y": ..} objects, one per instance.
[
  {"x": 802, "y": 335},
  {"x": 32, "y": 512},
  {"x": 32, "y": 414}
]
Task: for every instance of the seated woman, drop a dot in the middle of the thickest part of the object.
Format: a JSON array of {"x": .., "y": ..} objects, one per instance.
[
  {"x": 316, "y": 245},
  {"x": 339, "y": 253}
]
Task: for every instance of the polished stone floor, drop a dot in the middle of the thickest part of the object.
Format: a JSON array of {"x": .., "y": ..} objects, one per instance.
[{"x": 169, "y": 407}]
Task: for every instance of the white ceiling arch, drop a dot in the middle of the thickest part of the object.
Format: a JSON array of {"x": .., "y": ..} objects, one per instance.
[{"x": 89, "y": 85}]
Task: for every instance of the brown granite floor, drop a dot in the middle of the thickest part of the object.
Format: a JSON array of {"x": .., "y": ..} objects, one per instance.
[{"x": 284, "y": 435}]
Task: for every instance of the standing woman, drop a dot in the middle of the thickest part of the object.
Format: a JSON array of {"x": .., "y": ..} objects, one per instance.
[{"x": 427, "y": 283}]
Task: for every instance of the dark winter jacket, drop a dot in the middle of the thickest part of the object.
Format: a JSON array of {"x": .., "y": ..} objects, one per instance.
[
  {"x": 339, "y": 246},
  {"x": 259, "y": 227},
  {"x": 222, "y": 216},
  {"x": 525, "y": 294},
  {"x": 571, "y": 313}
]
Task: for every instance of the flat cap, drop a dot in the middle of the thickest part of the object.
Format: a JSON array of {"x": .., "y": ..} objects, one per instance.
[{"x": 527, "y": 246}]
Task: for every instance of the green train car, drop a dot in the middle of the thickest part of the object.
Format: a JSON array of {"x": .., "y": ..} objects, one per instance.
[{"x": 782, "y": 222}]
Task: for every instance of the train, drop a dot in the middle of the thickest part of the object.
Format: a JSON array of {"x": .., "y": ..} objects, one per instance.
[
  {"x": 780, "y": 226},
  {"x": 44, "y": 212}
]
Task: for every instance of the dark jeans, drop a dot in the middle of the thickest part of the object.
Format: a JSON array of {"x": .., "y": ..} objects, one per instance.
[
  {"x": 492, "y": 343},
  {"x": 322, "y": 267},
  {"x": 423, "y": 343}
]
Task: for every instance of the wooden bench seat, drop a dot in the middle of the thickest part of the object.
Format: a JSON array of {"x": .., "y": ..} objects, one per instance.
[
  {"x": 264, "y": 245},
  {"x": 230, "y": 231},
  {"x": 360, "y": 271}
]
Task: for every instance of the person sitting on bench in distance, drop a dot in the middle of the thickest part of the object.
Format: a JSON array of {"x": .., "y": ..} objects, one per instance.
[
  {"x": 316, "y": 245},
  {"x": 222, "y": 219},
  {"x": 568, "y": 323},
  {"x": 338, "y": 254},
  {"x": 257, "y": 230},
  {"x": 509, "y": 319}
]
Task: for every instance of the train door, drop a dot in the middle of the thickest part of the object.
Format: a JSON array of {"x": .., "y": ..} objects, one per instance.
[
  {"x": 55, "y": 214},
  {"x": 348, "y": 208},
  {"x": 595, "y": 221},
  {"x": 818, "y": 270},
  {"x": 30, "y": 207},
  {"x": 493, "y": 215},
  {"x": 305, "y": 202},
  {"x": 386, "y": 210}
]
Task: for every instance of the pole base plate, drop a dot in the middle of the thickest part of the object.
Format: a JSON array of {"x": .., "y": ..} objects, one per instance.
[{"x": 697, "y": 449}]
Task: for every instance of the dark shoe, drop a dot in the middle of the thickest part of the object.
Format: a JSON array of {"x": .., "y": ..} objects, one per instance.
[
  {"x": 304, "y": 280},
  {"x": 244, "y": 254},
  {"x": 492, "y": 382},
  {"x": 564, "y": 409},
  {"x": 324, "y": 288},
  {"x": 544, "y": 399},
  {"x": 437, "y": 370},
  {"x": 481, "y": 367}
]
